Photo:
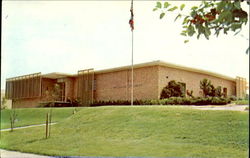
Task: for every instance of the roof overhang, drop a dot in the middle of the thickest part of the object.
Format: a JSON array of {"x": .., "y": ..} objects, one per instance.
[{"x": 56, "y": 75}]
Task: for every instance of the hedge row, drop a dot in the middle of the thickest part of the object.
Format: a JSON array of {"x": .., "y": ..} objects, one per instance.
[{"x": 169, "y": 101}]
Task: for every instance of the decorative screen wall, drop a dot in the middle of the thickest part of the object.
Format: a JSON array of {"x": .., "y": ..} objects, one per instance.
[
  {"x": 241, "y": 87},
  {"x": 27, "y": 86},
  {"x": 85, "y": 90}
]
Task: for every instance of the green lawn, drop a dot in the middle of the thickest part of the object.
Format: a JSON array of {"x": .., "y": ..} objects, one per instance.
[
  {"x": 32, "y": 116},
  {"x": 152, "y": 131}
]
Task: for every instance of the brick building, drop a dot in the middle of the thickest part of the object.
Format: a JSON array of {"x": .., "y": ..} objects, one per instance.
[{"x": 115, "y": 84}]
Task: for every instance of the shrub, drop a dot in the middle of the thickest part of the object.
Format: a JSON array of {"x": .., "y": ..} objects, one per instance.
[
  {"x": 190, "y": 94},
  {"x": 55, "y": 104},
  {"x": 218, "y": 92},
  {"x": 209, "y": 90},
  {"x": 233, "y": 98},
  {"x": 206, "y": 87},
  {"x": 173, "y": 89}
]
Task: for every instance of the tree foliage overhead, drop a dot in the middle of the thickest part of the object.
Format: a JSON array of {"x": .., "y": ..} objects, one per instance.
[{"x": 209, "y": 17}]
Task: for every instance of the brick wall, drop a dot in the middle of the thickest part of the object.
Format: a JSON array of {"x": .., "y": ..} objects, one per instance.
[
  {"x": 192, "y": 80},
  {"x": 26, "y": 103},
  {"x": 117, "y": 85}
]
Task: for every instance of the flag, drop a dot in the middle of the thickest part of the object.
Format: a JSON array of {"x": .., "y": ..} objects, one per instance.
[{"x": 131, "y": 21}]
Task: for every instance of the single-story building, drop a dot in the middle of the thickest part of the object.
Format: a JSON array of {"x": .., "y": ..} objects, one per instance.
[{"x": 114, "y": 84}]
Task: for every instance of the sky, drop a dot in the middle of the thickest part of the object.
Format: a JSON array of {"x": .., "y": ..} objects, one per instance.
[{"x": 67, "y": 36}]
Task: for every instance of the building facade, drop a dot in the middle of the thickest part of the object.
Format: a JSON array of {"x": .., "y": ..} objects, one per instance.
[{"x": 114, "y": 84}]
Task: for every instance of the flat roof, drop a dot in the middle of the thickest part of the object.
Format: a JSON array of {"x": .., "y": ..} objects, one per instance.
[
  {"x": 56, "y": 75},
  {"x": 166, "y": 64}
]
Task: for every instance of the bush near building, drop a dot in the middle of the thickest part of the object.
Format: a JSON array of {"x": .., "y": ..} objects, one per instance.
[
  {"x": 173, "y": 89},
  {"x": 209, "y": 90},
  {"x": 169, "y": 101}
]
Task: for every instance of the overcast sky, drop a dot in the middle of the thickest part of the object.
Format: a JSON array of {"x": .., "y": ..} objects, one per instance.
[{"x": 65, "y": 36}]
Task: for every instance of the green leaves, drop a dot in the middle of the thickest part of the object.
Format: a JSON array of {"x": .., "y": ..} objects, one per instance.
[
  {"x": 225, "y": 16},
  {"x": 182, "y": 6},
  {"x": 207, "y": 32},
  {"x": 235, "y": 26},
  {"x": 220, "y": 5},
  {"x": 210, "y": 16},
  {"x": 194, "y": 8},
  {"x": 164, "y": 9},
  {"x": 237, "y": 4},
  {"x": 190, "y": 30},
  {"x": 183, "y": 33},
  {"x": 186, "y": 41},
  {"x": 185, "y": 20},
  {"x": 178, "y": 16},
  {"x": 247, "y": 51},
  {"x": 158, "y": 5},
  {"x": 166, "y": 5},
  {"x": 225, "y": 30},
  {"x": 162, "y": 15},
  {"x": 172, "y": 9}
]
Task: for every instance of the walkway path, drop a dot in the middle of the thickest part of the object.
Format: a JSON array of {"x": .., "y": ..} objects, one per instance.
[
  {"x": 15, "y": 154},
  {"x": 227, "y": 107},
  {"x": 8, "y": 129}
]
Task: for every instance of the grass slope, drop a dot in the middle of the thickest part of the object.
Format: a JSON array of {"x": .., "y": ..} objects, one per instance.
[
  {"x": 32, "y": 116},
  {"x": 155, "y": 131}
]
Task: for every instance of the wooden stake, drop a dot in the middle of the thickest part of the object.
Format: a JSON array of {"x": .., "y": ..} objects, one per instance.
[
  {"x": 11, "y": 124},
  {"x": 50, "y": 115},
  {"x": 47, "y": 125}
]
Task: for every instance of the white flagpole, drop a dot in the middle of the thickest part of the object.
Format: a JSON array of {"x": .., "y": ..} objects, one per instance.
[
  {"x": 131, "y": 22},
  {"x": 132, "y": 71}
]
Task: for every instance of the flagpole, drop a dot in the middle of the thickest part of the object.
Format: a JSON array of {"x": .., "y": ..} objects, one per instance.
[
  {"x": 131, "y": 22},
  {"x": 132, "y": 71}
]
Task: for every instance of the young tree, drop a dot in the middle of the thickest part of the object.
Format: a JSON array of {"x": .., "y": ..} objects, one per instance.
[
  {"x": 218, "y": 91},
  {"x": 206, "y": 87},
  {"x": 13, "y": 119}
]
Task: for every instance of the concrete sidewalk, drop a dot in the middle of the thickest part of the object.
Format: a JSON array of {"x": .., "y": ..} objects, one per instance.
[
  {"x": 232, "y": 108},
  {"x": 8, "y": 129},
  {"x": 16, "y": 154}
]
